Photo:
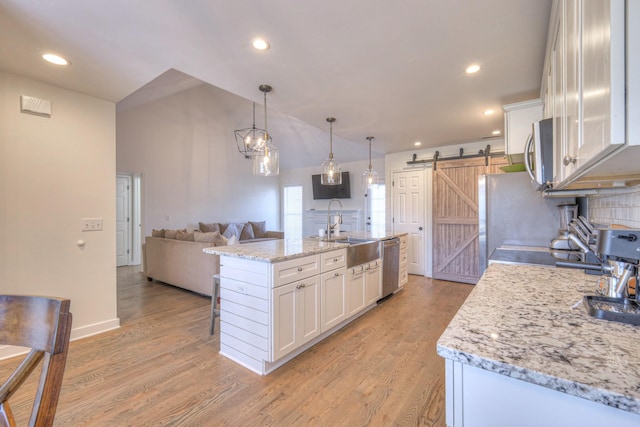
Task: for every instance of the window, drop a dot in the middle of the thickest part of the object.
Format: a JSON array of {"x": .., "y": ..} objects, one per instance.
[
  {"x": 293, "y": 211},
  {"x": 376, "y": 207}
]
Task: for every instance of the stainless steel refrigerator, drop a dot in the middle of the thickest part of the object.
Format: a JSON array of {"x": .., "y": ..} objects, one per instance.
[{"x": 511, "y": 213}]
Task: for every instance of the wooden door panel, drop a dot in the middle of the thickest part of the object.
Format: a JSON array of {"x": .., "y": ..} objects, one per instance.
[{"x": 455, "y": 217}]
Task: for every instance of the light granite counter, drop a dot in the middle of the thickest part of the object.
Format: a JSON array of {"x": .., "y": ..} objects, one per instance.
[
  {"x": 285, "y": 249},
  {"x": 529, "y": 323}
]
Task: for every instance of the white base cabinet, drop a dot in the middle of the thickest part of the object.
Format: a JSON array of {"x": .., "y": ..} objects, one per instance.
[
  {"x": 477, "y": 397},
  {"x": 271, "y": 312},
  {"x": 403, "y": 268}
]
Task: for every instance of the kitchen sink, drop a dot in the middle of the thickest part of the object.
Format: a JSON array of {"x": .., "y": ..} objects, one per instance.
[
  {"x": 353, "y": 241},
  {"x": 361, "y": 251}
]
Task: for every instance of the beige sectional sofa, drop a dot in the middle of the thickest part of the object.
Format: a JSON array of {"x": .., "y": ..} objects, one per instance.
[{"x": 175, "y": 256}]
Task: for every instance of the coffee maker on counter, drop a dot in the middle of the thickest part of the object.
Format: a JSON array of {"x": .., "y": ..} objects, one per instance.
[{"x": 618, "y": 253}]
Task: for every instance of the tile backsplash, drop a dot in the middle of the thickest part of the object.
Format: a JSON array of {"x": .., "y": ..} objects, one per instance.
[{"x": 621, "y": 207}]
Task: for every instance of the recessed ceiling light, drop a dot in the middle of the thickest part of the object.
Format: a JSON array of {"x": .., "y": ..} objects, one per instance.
[
  {"x": 488, "y": 112},
  {"x": 471, "y": 69},
  {"x": 495, "y": 132},
  {"x": 260, "y": 44},
  {"x": 417, "y": 143},
  {"x": 55, "y": 59}
]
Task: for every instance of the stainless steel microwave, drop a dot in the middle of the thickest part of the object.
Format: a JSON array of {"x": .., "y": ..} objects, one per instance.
[{"x": 538, "y": 154}]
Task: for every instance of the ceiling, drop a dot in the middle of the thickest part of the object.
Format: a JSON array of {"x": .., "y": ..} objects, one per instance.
[{"x": 394, "y": 70}]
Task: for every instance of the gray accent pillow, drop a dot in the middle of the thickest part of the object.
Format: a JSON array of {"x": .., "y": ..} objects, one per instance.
[
  {"x": 232, "y": 229},
  {"x": 209, "y": 228},
  {"x": 247, "y": 232},
  {"x": 259, "y": 229}
]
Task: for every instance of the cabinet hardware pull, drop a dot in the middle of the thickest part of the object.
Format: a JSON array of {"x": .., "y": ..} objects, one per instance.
[
  {"x": 336, "y": 274},
  {"x": 301, "y": 285},
  {"x": 567, "y": 160},
  {"x": 335, "y": 260},
  {"x": 299, "y": 268}
]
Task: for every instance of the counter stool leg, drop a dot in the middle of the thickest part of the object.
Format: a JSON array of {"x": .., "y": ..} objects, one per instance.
[{"x": 214, "y": 302}]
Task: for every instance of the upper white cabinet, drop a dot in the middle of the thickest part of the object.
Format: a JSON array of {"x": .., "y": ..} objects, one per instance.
[
  {"x": 518, "y": 118},
  {"x": 590, "y": 89}
]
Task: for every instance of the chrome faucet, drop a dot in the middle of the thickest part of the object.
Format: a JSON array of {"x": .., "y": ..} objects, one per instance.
[{"x": 329, "y": 226}]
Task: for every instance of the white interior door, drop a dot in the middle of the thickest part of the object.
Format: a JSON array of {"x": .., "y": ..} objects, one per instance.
[
  {"x": 409, "y": 216},
  {"x": 123, "y": 218}
]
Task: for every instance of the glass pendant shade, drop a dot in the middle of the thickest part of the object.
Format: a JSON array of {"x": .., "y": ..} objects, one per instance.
[
  {"x": 369, "y": 176},
  {"x": 369, "y": 179},
  {"x": 331, "y": 171},
  {"x": 266, "y": 161}
]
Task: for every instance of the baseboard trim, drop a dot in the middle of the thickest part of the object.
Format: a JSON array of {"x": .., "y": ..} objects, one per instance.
[{"x": 8, "y": 351}]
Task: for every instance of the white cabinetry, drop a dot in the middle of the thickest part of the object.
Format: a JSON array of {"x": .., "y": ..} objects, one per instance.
[
  {"x": 585, "y": 79},
  {"x": 364, "y": 286},
  {"x": 271, "y": 312},
  {"x": 518, "y": 119},
  {"x": 296, "y": 315}
]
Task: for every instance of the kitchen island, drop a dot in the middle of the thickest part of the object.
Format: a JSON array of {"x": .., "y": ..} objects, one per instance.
[
  {"x": 523, "y": 351},
  {"x": 281, "y": 297}
]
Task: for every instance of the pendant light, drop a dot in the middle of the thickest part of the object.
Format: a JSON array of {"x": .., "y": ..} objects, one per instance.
[
  {"x": 250, "y": 139},
  {"x": 369, "y": 177},
  {"x": 331, "y": 173},
  {"x": 266, "y": 158}
]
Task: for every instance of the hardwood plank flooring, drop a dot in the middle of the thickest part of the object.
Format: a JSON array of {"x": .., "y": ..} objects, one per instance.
[{"x": 162, "y": 367}]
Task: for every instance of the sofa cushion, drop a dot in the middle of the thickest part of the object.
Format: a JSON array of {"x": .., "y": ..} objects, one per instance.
[
  {"x": 171, "y": 234},
  {"x": 247, "y": 232},
  {"x": 259, "y": 229},
  {"x": 207, "y": 237},
  {"x": 183, "y": 235},
  {"x": 157, "y": 233},
  {"x": 219, "y": 239},
  {"x": 210, "y": 227},
  {"x": 232, "y": 229}
]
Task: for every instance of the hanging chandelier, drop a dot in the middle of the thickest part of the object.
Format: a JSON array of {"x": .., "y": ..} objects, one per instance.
[
  {"x": 369, "y": 177},
  {"x": 266, "y": 158},
  {"x": 331, "y": 173},
  {"x": 250, "y": 139}
]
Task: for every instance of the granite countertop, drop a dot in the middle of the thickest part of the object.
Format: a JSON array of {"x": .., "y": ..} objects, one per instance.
[
  {"x": 284, "y": 249},
  {"x": 529, "y": 323}
]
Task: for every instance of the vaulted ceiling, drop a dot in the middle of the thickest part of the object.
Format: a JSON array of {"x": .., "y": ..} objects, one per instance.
[{"x": 395, "y": 70}]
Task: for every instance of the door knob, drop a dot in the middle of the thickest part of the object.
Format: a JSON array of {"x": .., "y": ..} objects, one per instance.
[{"x": 420, "y": 228}]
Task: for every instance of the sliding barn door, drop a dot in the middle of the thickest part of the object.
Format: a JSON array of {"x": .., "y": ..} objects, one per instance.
[{"x": 455, "y": 217}]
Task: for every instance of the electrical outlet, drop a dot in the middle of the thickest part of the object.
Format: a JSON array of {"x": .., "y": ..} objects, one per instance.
[{"x": 91, "y": 224}]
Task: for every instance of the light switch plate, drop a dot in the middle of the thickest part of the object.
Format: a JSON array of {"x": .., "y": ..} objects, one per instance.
[{"x": 91, "y": 224}]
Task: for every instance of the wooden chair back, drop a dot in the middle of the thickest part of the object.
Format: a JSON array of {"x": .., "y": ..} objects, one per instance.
[{"x": 43, "y": 324}]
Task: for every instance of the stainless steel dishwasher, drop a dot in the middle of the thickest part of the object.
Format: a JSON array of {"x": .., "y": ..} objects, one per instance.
[{"x": 390, "y": 265}]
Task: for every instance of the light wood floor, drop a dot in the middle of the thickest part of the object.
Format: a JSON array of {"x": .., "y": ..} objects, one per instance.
[{"x": 162, "y": 367}]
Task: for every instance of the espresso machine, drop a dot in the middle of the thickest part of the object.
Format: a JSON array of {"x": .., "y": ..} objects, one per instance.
[{"x": 618, "y": 253}]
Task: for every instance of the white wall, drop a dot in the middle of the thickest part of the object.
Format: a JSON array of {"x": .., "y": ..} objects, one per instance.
[
  {"x": 185, "y": 149},
  {"x": 302, "y": 176},
  {"x": 53, "y": 172}
]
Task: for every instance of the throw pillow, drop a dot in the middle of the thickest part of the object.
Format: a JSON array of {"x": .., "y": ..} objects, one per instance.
[
  {"x": 183, "y": 235},
  {"x": 233, "y": 240},
  {"x": 247, "y": 232},
  {"x": 232, "y": 230},
  {"x": 157, "y": 233},
  {"x": 210, "y": 227},
  {"x": 208, "y": 237},
  {"x": 171, "y": 234},
  {"x": 259, "y": 229},
  {"x": 219, "y": 239}
]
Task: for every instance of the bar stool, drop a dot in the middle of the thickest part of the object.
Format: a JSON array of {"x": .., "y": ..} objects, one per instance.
[{"x": 214, "y": 302}]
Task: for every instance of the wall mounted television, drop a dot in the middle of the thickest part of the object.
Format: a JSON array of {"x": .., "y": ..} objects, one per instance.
[{"x": 342, "y": 191}]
